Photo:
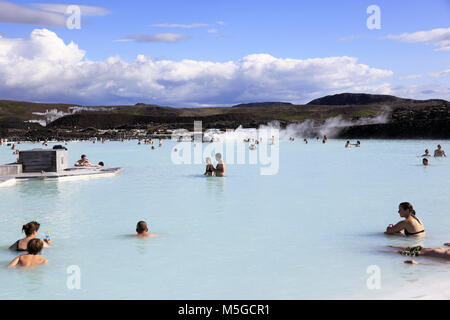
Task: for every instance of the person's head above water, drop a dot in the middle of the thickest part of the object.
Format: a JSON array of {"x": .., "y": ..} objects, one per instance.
[
  {"x": 141, "y": 227},
  {"x": 425, "y": 161},
  {"x": 405, "y": 209},
  {"x": 35, "y": 246},
  {"x": 31, "y": 228},
  {"x": 208, "y": 160},
  {"x": 439, "y": 146},
  {"x": 218, "y": 156}
]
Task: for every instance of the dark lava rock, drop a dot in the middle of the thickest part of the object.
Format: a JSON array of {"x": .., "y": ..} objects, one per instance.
[{"x": 343, "y": 99}]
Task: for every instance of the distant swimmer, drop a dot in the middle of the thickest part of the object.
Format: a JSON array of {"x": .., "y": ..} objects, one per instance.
[
  {"x": 31, "y": 230},
  {"x": 34, "y": 247},
  {"x": 357, "y": 144},
  {"x": 411, "y": 226},
  {"x": 220, "y": 167},
  {"x": 418, "y": 251},
  {"x": 425, "y": 162},
  {"x": 252, "y": 147},
  {"x": 210, "y": 170},
  {"x": 306, "y": 140},
  {"x": 325, "y": 139},
  {"x": 426, "y": 154},
  {"x": 347, "y": 144},
  {"x": 101, "y": 164},
  {"x": 84, "y": 162},
  {"x": 439, "y": 152},
  {"x": 142, "y": 230}
]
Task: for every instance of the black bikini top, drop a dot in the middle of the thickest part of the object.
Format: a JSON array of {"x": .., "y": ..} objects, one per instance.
[
  {"x": 413, "y": 233},
  {"x": 17, "y": 247}
]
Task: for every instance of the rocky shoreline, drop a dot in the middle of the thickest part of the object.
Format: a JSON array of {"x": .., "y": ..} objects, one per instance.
[{"x": 403, "y": 119}]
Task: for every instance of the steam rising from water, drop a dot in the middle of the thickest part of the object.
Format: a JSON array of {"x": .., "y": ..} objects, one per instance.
[{"x": 305, "y": 129}]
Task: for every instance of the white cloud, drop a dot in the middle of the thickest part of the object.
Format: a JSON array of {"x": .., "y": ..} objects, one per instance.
[
  {"x": 62, "y": 8},
  {"x": 438, "y": 37},
  {"x": 183, "y": 26},
  {"x": 18, "y": 14},
  {"x": 44, "y": 68},
  {"x": 212, "y": 31},
  {"x": 444, "y": 73},
  {"x": 159, "y": 37}
]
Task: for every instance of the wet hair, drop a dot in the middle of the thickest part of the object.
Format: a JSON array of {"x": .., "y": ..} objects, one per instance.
[
  {"x": 439, "y": 146},
  {"x": 407, "y": 206},
  {"x": 101, "y": 164},
  {"x": 425, "y": 161},
  {"x": 83, "y": 156},
  {"x": 35, "y": 246},
  {"x": 141, "y": 227},
  {"x": 30, "y": 228}
]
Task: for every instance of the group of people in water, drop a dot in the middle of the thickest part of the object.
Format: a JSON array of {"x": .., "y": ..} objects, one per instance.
[
  {"x": 218, "y": 170},
  {"x": 413, "y": 226},
  {"x": 33, "y": 246},
  {"x": 84, "y": 162},
  {"x": 439, "y": 152},
  {"x": 409, "y": 226}
]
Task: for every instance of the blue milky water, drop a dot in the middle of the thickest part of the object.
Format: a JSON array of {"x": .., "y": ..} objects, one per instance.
[{"x": 308, "y": 232}]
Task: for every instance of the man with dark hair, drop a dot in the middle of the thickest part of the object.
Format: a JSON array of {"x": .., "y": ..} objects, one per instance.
[
  {"x": 142, "y": 230},
  {"x": 34, "y": 247}
]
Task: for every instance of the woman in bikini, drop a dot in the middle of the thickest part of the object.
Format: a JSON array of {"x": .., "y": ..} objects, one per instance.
[
  {"x": 210, "y": 170},
  {"x": 31, "y": 230},
  {"x": 411, "y": 226}
]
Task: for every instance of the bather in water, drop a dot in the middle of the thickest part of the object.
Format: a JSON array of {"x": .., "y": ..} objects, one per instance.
[
  {"x": 411, "y": 226},
  {"x": 220, "y": 167},
  {"x": 34, "y": 247},
  {"x": 439, "y": 152},
  {"x": 142, "y": 230},
  {"x": 31, "y": 230},
  {"x": 210, "y": 170},
  {"x": 418, "y": 251}
]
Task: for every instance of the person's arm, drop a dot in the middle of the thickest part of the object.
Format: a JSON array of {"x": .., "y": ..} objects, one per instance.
[
  {"x": 397, "y": 228},
  {"x": 427, "y": 263},
  {"x": 14, "y": 262}
]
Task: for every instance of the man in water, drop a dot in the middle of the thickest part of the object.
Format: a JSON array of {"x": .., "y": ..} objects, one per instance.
[
  {"x": 220, "y": 167},
  {"x": 439, "y": 152},
  {"x": 425, "y": 162},
  {"x": 142, "y": 230}
]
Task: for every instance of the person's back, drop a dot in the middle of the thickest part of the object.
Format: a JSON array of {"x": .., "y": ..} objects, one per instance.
[
  {"x": 32, "y": 258},
  {"x": 29, "y": 260}
]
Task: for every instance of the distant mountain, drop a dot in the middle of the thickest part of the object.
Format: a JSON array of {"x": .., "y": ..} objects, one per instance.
[
  {"x": 343, "y": 99},
  {"x": 263, "y": 104}
]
